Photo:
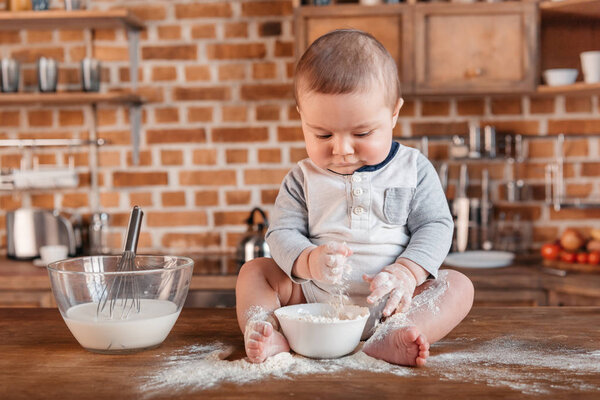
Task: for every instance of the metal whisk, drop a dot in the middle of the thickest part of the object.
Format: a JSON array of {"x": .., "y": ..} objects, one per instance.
[{"x": 124, "y": 287}]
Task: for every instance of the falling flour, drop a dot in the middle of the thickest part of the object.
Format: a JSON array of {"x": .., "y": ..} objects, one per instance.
[{"x": 428, "y": 301}]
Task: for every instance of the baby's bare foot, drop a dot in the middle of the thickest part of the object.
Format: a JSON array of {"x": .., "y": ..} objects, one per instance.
[
  {"x": 403, "y": 346},
  {"x": 262, "y": 341}
]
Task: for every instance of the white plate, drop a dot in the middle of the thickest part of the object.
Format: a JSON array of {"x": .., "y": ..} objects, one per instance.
[{"x": 480, "y": 259}]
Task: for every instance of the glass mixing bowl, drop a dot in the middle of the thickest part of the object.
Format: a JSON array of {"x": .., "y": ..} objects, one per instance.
[{"x": 111, "y": 311}]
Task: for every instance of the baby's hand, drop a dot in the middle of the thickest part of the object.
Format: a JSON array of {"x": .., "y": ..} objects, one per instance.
[
  {"x": 396, "y": 280},
  {"x": 326, "y": 262}
]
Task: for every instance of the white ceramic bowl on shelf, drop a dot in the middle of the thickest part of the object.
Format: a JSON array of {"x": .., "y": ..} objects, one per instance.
[
  {"x": 312, "y": 333},
  {"x": 560, "y": 76}
]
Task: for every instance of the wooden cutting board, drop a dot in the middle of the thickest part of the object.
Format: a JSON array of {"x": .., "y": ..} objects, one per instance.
[{"x": 573, "y": 267}]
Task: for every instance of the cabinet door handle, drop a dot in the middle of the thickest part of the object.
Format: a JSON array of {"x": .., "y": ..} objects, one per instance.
[{"x": 474, "y": 72}]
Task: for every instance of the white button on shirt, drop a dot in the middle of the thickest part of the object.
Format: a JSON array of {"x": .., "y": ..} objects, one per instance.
[
  {"x": 356, "y": 178},
  {"x": 357, "y": 192},
  {"x": 359, "y": 210}
]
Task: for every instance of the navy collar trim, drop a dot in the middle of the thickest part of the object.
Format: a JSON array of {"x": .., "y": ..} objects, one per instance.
[{"x": 391, "y": 154}]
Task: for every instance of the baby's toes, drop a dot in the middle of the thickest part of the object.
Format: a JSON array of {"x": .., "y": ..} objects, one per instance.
[
  {"x": 254, "y": 345},
  {"x": 256, "y": 336}
]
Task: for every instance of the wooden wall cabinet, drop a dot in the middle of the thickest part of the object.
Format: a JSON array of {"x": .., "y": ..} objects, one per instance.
[
  {"x": 475, "y": 48},
  {"x": 443, "y": 48},
  {"x": 391, "y": 24}
]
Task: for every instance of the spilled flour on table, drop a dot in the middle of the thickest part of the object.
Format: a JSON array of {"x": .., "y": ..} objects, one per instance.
[
  {"x": 526, "y": 367},
  {"x": 201, "y": 367}
]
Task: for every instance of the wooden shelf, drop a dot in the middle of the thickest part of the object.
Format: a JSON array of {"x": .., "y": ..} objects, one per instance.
[
  {"x": 578, "y": 88},
  {"x": 7, "y": 99},
  {"x": 54, "y": 19},
  {"x": 572, "y": 8}
]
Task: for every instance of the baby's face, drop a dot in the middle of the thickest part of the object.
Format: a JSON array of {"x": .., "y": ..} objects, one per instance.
[{"x": 344, "y": 132}]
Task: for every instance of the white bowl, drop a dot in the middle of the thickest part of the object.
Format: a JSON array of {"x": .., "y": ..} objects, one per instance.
[
  {"x": 312, "y": 332},
  {"x": 560, "y": 76}
]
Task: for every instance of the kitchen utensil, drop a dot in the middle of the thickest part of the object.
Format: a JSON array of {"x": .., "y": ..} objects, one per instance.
[
  {"x": 28, "y": 229},
  {"x": 253, "y": 244},
  {"x": 486, "y": 242},
  {"x": 461, "y": 210},
  {"x": 443, "y": 175},
  {"x": 474, "y": 141},
  {"x": 47, "y": 74},
  {"x": 90, "y": 75},
  {"x": 71, "y": 5},
  {"x": 78, "y": 282},
  {"x": 9, "y": 75},
  {"x": 560, "y": 76},
  {"x": 425, "y": 146},
  {"x": 311, "y": 332},
  {"x": 590, "y": 65},
  {"x": 40, "y": 5},
  {"x": 489, "y": 141},
  {"x": 46, "y": 178},
  {"x": 125, "y": 289},
  {"x": 458, "y": 148},
  {"x": 474, "y": 225}
]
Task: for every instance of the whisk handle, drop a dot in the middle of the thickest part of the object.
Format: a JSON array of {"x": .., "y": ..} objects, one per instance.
[{"x": 133, "y": 231}]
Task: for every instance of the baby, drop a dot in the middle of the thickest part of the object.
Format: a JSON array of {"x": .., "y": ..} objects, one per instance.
[{"x": 361, "y": 207}]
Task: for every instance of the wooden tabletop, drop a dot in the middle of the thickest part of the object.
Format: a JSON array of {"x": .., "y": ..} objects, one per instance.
[{"x": 495, "y": 353}]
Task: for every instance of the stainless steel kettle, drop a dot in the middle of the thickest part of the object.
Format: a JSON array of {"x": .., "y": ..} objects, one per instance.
[
  {"x": 253, "y": 244},
  {"x": 28, "y": 229}
]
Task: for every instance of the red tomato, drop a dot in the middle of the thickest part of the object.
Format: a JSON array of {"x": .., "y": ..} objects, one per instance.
[
  {"x": 568, "y": 257},
  {"x": 594, "y": 258},
  {"x": 582, "y": 258},
  {"x": 550, "y": 251}
]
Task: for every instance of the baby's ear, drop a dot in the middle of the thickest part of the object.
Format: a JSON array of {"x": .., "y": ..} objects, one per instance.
[
  {"x": 396, "y": 112},
  {"x": 398, "y": 106}
]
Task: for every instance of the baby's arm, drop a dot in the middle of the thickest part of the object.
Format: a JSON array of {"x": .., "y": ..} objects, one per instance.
[
  {"x": 431, "y": 228},
  {"x": 429, "y": 223},
  {"x": 288, "y": 239}
]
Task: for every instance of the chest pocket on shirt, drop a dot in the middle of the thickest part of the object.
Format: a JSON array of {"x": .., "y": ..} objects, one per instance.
[{"x": 396, "y": 204}]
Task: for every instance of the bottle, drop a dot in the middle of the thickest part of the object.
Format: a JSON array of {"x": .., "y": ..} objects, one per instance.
[{"x": 98, "y": 234}]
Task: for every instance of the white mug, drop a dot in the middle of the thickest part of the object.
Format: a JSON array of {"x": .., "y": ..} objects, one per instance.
[
  {"x": 52, "y": 253},
  {"x": 590, "y": 65}
]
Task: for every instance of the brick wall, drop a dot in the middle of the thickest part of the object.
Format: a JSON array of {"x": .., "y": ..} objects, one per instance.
[{"x": 220, "y": 129}]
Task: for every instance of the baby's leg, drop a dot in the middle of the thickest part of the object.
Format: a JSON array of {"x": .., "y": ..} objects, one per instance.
[
  {"x": 437, "y": 307},
  {"x": 261, "y": 288}
]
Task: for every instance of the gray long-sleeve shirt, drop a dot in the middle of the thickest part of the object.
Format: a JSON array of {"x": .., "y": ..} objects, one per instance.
[{"x": 396, "y": 210}]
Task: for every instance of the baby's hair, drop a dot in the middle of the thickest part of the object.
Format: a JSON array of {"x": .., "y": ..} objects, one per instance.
[{"x": 346, "y": 61}]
